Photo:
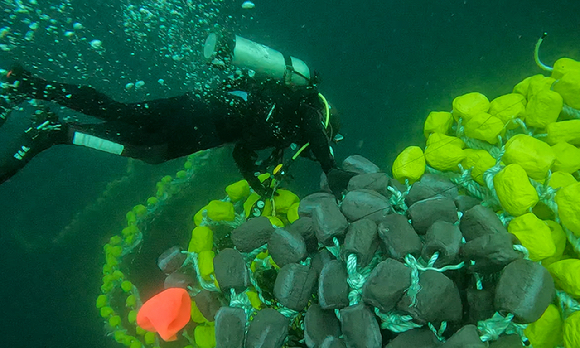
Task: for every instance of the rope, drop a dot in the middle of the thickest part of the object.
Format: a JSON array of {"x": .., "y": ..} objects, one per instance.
[
  {"x": 258, "y": 290},
  {"x": 251, "y": 256},
  {"x": 493, "y": 327},
  {"x": 335, "y": 248},
  {"x": 574, "y": 241},
  {"x": 414, "y": 288},
  {"x": 238, "y": 220},
  {"x": 396, "y": 322},
  {"x": 570, "y": 112},
  {"x": 522, "y": 249},
  {"x": 412, "y": 262},
  {"x": 438, "y": 332},
  {"x": 537, "y": 54},
  {"x": 488, "y": 175},
  {"x": 261, "y": 264},
  {"x": 192, "y": 258},
  {"x": 240, "y": 300},
  {"x": 568, "y": 305},
  {"x": 287, "y": 312},
  {"x": 356, "y": 279},
  {"x": 397, "y": 199}
]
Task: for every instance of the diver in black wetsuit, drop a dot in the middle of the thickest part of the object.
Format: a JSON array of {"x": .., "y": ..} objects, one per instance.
[{"x": 252, "y": 114}]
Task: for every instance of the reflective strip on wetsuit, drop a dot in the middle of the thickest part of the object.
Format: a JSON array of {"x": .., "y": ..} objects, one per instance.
[{"x": 97, "y": 143}]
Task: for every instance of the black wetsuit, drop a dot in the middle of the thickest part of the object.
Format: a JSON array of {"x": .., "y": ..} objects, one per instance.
[{"x": 250, "y": 114}]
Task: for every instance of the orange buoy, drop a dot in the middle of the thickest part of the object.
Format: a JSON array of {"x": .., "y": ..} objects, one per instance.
[{"x": 166, "y": 313}]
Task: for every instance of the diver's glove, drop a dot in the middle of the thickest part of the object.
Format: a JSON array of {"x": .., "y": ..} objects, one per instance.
[
  {"x": 338, "y": 181},
  {"x": 264, "y": 191}
]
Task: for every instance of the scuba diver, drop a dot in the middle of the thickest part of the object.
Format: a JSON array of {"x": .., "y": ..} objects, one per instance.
[{"x": 270, "y": 102}]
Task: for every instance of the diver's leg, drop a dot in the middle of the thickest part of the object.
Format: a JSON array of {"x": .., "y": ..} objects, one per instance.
[
  {"x": 187, "y": 123},
  {"x": 87, "y": 100},
  {"x": 115, "y": 137}
]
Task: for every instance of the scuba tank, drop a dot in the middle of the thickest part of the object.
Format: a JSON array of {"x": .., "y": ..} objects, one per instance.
[{"x": 223, "y": 49}]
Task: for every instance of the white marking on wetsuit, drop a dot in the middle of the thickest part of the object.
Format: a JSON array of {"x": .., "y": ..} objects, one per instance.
[
  {"x": 21, "y": 153},
  {"x": 270, "y": 113},
  {"x": 97, "y": 143}
]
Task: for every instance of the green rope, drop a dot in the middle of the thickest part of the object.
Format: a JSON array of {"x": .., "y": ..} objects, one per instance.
[
  {"x": 568, "y": 305},
  {"x": 438, "y": 332},
  {"x": 570, "y": 112},
  {"x": 537, "y": 54},
  {"x": 493, "y": 327},
  {"x": 522, "y": 249},
  {"x": 335, "y": 248},
  {"x": 193, "y": 259},
  {"x": 396, "y": 322},
  {"x": 397, "y": 199},
  {"x": 414, "y": 287},
  {"x": 356, "y": 279}
]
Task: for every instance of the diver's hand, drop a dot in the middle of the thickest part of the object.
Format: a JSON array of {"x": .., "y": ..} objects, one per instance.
[
  {"x": 264, "y": 192},
  {"x": 338, "y": 181},
  {"x": 263, "y": 189}
]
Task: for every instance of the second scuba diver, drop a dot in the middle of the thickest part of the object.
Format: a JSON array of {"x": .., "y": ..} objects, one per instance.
[{"x": 278, "y": 107}]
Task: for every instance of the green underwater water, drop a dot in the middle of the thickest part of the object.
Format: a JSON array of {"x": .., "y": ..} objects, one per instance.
[{"x": 384, "y": 66}]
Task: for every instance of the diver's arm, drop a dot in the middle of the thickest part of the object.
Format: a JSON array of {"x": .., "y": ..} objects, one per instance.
[
  {"x": 316, "y": 136},
  {"x": 245, "y": 159},
  {"x": 319, "y": 145}
]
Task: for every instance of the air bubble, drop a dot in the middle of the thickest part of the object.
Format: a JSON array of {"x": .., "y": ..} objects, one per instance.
[
  {"x": 248, "y": 5},
  {"x": 96, "y": 44}
]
